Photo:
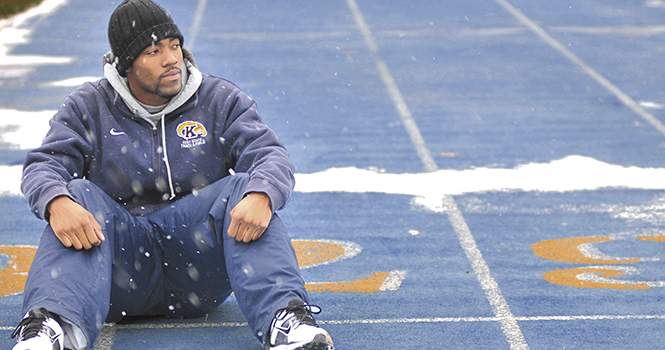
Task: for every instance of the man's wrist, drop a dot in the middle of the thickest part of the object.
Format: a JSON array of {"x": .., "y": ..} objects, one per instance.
[
  {"x": 47, "y": 214},
  {"x": 263, "y": 196}
]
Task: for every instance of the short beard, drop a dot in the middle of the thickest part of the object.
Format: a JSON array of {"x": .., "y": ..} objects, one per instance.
[{"x": 157, "y": 90}]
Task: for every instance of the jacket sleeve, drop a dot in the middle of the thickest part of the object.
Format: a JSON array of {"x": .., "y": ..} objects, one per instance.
[
  {"x": 61, "y": 157},
  {"x": 253, "y": 148}
]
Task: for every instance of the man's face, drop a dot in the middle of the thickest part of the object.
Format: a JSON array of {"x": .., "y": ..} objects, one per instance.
[{"x": 154, "y": 77}]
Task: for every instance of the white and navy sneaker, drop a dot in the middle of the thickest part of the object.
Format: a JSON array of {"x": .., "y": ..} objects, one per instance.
[
  {"x": 294, "y": 328},
  {"x": 39, "y": 331}
]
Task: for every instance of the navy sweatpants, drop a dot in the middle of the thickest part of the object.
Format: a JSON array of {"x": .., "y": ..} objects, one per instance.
[{"x": 176, "y": 262}]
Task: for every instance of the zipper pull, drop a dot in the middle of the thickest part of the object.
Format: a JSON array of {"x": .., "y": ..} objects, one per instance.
[{"x": 154, "y": 131}]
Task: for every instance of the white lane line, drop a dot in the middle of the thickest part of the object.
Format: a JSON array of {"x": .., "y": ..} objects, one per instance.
[
  {"x": 624, "y": 98},
  {"x": 108, "y": 327},
  {"x": 591, "y": 318},
  {"x": 196, "y": 23},
  {"x": 498, "y": 303},
  {"x": 393, "y": 90},
  {"x": 491, "y": 288},
  {"x": 176, "y": 325},
  {"x": 619, "y": 30},
  {"x": 494, "y": 319}
]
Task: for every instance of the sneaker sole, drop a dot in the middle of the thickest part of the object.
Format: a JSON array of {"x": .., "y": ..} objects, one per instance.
[{"x": 319, "y": 343}]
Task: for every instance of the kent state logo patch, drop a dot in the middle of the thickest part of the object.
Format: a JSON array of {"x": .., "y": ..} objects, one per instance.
[{"x": 193, "y": 133}]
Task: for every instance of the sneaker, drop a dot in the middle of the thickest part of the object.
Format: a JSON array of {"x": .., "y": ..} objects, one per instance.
[
  {"x": 39, "y": 331},
  {"x": 294, "y": 328}
]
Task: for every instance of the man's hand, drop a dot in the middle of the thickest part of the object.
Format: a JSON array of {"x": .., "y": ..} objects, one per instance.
[
  {"x": 250, "y": 218},
  {"x": 73, "y": 225}
]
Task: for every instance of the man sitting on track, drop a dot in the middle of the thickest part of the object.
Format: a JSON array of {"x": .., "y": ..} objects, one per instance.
[{"x": 160, "y": 184}]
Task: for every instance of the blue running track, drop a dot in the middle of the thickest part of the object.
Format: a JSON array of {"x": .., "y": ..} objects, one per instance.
[{"x": 477, "y": 174}]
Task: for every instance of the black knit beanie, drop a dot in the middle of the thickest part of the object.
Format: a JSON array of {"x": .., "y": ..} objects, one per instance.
[{"x": 135, "y": 25}]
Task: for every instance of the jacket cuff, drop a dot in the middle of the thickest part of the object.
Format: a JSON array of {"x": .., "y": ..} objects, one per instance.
[
  {"x": 277, "y": 200},
  {"x": 46, "y": 198}
]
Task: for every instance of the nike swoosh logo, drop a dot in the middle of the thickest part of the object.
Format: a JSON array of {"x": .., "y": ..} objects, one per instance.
[
  {"x": 284, "y": 330},
  {"x": 53, "y": 336},
  {"x": 114, "y": 132}
]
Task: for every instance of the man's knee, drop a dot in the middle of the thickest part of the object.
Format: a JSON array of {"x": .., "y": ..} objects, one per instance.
[
  {"x": 91, "y": 197},
  {"x": 227, "y": 188}
]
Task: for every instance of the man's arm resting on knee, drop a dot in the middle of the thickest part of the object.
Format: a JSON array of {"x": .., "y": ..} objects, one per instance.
[
  {"x": 73, "y": 225},
  {"x": 250, "y": 218}
]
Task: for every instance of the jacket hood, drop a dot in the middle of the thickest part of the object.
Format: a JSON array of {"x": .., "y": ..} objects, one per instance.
[{"x": 191, "y": 80}]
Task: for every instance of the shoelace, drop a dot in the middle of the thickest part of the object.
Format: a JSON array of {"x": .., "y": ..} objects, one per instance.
[
  {"x": 303, "y": 312},
  {"x": 31, "y": 325}
]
